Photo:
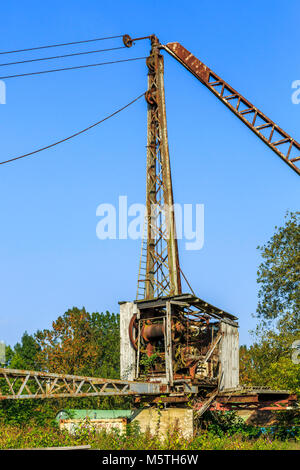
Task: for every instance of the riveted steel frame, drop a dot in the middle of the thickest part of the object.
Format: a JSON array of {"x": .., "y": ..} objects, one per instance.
[
  {"x": 162, "y": 273},
  {"x": 24, "y": 384},
  {"x": 287, "y": 148}
]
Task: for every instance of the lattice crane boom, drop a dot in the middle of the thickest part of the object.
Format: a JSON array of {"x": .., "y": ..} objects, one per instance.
[
  {"x": 287, "y": 148},
  {"x": 28, "y": 384}
]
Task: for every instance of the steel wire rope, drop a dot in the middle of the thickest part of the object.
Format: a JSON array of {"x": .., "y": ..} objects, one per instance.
[
  {"x": 71, "y": 68},
  {"x": 73, "y": 135},
  {"x": 61, "y": 44},
  {"x": 62, "y": 56}
]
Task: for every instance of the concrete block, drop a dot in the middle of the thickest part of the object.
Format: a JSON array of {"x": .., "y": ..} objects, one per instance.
[{"x": 158, "y": 422}]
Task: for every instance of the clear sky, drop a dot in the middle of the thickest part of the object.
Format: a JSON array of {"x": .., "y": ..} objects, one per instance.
[{"x": 51, "y": 259}]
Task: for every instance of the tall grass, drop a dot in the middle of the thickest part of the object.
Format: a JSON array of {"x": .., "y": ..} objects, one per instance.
[{"x": 14, "y": 437}]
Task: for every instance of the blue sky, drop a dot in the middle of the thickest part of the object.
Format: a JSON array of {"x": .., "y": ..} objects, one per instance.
[{"x": 51, "y": 259}]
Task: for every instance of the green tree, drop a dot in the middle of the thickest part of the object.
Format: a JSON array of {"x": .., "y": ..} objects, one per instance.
[
  {"x": 78, "y": 343},
  {"x": 24, "y": 354},
  {"x": 268, "y": 361},
  {"x": 279, "y": 276},
  {"x": 81, "y": 343}
]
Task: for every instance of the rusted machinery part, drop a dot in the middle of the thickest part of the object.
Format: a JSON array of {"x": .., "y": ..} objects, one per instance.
[
  {"x": 153, "y": 332},
  {"x": 150, "y": 332},
  {"x": 150, "y": 349},
  {"x": 178, "y": 327},
  {"x": 133, "y": 327},
  {"x": 127, "y": 41},
  {"x": 192, "y": 370}
]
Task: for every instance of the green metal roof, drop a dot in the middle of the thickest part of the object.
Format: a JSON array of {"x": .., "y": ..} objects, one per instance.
[{"x": 92, "y": 414}]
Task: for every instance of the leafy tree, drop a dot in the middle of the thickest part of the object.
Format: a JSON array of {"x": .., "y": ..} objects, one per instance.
[
  {"x": 268, "y": 361},
  {"x": 279, "y": 276},
  {"x": 106, "y": 331},
  {"x": 81, "y": 343},
  {"x": 8, "y": 356},
  {"x": 78, "y": 343},
  {"x": 262, "y": 365},
  {"x": 24, "y": 354}
]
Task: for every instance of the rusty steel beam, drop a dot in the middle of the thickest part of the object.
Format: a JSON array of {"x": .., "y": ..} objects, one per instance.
[
  {"x": 287, "y": 148},
  {"x": 246, "y": 402},
  {"x": 161, "y": 275},
  {"x": 175, "y": 400},
  {"x": 24, "y": 384},
  {"x": 252, "y": 404}
]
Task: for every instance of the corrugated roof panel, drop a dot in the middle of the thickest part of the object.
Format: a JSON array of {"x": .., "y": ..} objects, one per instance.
[{"x": 92, "y": 414}]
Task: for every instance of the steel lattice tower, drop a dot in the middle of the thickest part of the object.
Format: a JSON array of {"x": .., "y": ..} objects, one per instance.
[{"x": 159, "y": 273}]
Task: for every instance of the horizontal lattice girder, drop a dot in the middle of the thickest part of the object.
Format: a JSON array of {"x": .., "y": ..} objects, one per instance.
[{"x": 20, "y": 384}]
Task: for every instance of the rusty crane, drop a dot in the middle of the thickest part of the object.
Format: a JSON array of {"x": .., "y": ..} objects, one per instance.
[{"x": 172, "y": 343}]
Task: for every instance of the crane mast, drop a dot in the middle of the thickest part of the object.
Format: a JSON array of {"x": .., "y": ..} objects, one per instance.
[{"x": 162, "y": 274}]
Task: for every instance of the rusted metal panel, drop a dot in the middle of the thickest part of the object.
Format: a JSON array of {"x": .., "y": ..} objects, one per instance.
[
  {"x": 191, "y": 300},
  {"x": 238, "y": 399},
  {"x": 251, "y": 403},
  {"x": 251, "y": 399},
  {"x": 195, "y": 65},
  {"x": 163, "y": 399}
]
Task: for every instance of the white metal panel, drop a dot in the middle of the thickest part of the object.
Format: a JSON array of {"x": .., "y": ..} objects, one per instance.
[
  {"x": 229, "y": 357},
  {"x": 73, "y": 425},
  {"x": 127, "y": 352}
]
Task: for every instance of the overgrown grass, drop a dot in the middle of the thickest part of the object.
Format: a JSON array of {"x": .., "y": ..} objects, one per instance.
[
  {"x": 15, "y": 437},
  {"x": 216, "y": 431},
  {"x": 286, "y": 425}
]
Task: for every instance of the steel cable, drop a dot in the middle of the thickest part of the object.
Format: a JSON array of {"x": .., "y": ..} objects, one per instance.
[
  {"x": 62, "y": 44},
  {"x": 62, "y": 56},
  {"x": 71, "y": 68},
  {"x": 73, "y": 135}
]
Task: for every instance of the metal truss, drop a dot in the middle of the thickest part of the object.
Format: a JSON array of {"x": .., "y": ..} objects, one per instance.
[
  {"x": 262, "y": 399},
  {"x": 270, "y": 133},
  {"x": 24, "y": 384},
  {"x": 161, "y": 273},
  {"x": 274, "y": 405}
]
